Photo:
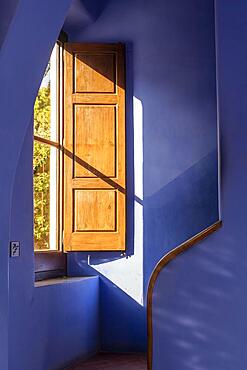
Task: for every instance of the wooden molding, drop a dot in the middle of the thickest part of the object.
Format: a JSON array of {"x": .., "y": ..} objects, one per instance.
[{"x": 161, "y": 264}]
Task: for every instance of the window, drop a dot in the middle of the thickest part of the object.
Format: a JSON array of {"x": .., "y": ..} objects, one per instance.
[
  {"x": 47, "y": 172},
  {"x": 79, "y": 161},
  {"x": 47, "y": 158}
]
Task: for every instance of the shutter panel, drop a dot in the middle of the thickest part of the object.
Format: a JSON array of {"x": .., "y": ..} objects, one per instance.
[{"x": 94, "y": 147}]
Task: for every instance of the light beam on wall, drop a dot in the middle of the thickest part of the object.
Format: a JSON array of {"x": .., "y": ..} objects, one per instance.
[{"x": 127, "y": 273}]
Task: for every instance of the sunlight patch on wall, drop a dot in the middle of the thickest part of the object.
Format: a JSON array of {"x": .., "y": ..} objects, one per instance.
[{"x": 127, "y": 273}]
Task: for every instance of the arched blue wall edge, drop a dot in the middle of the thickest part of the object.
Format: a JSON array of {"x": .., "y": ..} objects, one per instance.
[
  {"x": 28, "y": 41},
  {"x": 155, "y": 275}
]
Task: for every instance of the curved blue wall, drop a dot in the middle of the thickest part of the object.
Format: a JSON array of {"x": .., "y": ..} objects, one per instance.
[
  {"x": 41, "y": 328},
  {"x": 199, "y": 301}
]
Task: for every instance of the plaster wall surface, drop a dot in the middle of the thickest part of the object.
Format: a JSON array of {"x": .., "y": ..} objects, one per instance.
[
  {"x": 40, "y": 328},
  {"x": 171, "y": 148},
  {"x": 171, "y": 73},
  {"x": 8, "y": 8},
  {"x": 49, "y": 326},
  {"x": 199, "y": 300}
]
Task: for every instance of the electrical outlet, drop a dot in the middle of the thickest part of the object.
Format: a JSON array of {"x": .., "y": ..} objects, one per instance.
[{"x": 15, "y": 249}]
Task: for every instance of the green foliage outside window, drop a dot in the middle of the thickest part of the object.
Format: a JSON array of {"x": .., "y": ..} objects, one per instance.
[{"x": 41, "y": 170}]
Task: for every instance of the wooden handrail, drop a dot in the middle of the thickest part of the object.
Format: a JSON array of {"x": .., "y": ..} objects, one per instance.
[{"x": 161, "y": 264}]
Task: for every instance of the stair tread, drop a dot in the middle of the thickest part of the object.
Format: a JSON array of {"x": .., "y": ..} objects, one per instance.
[{"x": 110, "y": 361}]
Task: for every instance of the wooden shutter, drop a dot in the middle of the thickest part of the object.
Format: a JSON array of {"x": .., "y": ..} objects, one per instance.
[{"x": 94, "y": 147}]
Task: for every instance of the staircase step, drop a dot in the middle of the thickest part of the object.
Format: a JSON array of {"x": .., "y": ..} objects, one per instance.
[{"x": 113, "y": 361}]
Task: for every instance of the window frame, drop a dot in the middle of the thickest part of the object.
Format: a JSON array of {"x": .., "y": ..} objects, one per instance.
[{"x": 53, "y": 263}]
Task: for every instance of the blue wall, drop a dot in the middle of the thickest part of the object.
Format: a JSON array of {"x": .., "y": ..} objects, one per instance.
[
  {"x": 171, "y": 128},
  {"x": 171, "y": 74},
  {"x": 41, "y": 328},
  {"x": 200, "y": 298},
  {"x": 58, "y": 323},
  {"x": 8, "y": 8}
]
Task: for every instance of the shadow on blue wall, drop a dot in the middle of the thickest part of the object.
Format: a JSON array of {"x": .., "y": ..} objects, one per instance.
[
  {"x": 116, "y": 308},
  {"x": 180, "y": 210},
  {"x": 193, "y": 320},
  {"x": 95, "y": 7},
  {"x": 82, "y": 13},
  {"x": 7, "y": 12}
]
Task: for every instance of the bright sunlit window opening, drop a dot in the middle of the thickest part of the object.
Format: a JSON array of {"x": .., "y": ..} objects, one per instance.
[{"x": 46, "y": 158}]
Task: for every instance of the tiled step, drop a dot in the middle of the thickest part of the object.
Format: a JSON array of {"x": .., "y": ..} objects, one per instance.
[{"x": 110, "y": 361}]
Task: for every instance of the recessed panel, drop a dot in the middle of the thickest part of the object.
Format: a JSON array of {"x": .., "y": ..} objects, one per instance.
[
  {"x": 94, "y": 141},
  {"x": 95, "y": 73},
  {"x": 95, "y": 210},
  {"x": 94, "y": 148}
]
